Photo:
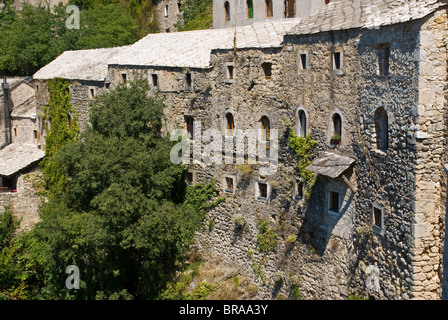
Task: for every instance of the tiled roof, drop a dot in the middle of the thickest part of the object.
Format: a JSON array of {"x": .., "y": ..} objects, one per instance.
[{"x": 351, "y": 14}]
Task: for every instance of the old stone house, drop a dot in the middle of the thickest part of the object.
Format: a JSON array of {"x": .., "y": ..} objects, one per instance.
[
  {"x": 21, "y": 150},
  {"x": 366, "y": 79}
]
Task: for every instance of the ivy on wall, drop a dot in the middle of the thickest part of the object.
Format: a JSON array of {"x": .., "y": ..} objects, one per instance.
[
  {"x": 62, "y": 127},
  {"x": 303, "y": 149}
]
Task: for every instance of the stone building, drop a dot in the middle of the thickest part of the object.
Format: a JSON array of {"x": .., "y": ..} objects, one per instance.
[
  {"x": 366, "y": 79},
  {"x": 21, "y": 150}
]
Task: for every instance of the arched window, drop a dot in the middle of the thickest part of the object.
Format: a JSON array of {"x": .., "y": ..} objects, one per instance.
[
  {"x": 227, "y": 10},
  {"x": 230, "y": 124},
  {"x": 265, "y": 127},
  {"x": 269, "y": 10},
  {"x": 250, "y": 9},
  {"x": 301, "y": 128},
  {"x": 336, "y": 132},
  {"x": 381, "y": 129}
]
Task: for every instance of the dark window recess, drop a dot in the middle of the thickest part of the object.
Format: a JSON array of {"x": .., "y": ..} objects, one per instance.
[
  {"x": 303, "y": 61},
  {"x": 155, "y": 80},
  {"x": 227, "y": 10},
  {"x": 334, "y": 201},
  {"x": 290, "y": 10},
  {"x": 189, "y": 177},
  {"x": 337, "y": 60},
  {"x": 250, "y": 9},
  {"x": 189, "y": 121},
  {"x": 377, "y": 217},
  {"x": 229, "y": 184},
  {"x": 267, "y": 69},
  {"x": 188, "y": 80},
  {"x": 384, "y": 60},
  {"x": 269, "y": 10},
  {"x": 299, "y": 190},
  {"x": 230, "y": 72},
  {"x": 262, "y": 190}
]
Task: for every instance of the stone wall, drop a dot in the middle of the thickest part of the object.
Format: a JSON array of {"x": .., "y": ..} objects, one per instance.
[{"x": 168, "y": 14}]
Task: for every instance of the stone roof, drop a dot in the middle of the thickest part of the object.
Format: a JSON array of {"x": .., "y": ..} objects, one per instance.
[
  {"x": 193, "y": 48},
  {"x": 89, "y": 65},
  {"x": 15, "y": 157},
  {"x": 352, "y": 14},
  {"x": 178, "y": 49},
  {"x": 26, "y": 110},
  {"x": 330, "y": 164}
]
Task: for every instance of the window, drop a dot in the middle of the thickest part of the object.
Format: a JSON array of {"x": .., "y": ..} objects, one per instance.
[
  {"x": 188, "y": 81},
  {"x": 290, "y": 10},
  {"x": 378, "y": 217},
  {"x": 298, "y": 192},
  {"x": 227, "y": 11},
  {"x": 333, "y": 204},
  {"x": 265, "y": 128},
  {"x": 15, "y": 132},
  {"x": 269, "y": 11},
  {"x": 91, "y": 93},
  {"x": 302, "y": 124},
  {"x": 230, "y": 124},
  {"x": 189, "y": 178},
  {"x": 383, "y": 60},
  {"x": 189, "y": 123},
  {"x": 336, "y": 135},
  {"x": 230, "y": 72},
  {"x": 123, "y": 77},
  {"x": 327, "y": 1},
  {"x": 262, "y": 190},
  {"x": 303, "y": 61},
  {"x": 337, "y": 60},
  {"x": 250, "y": 9},
  {"x": 166, "y": 10},
  {"x": 155, "y": 80},
  {"x": 228, "y": 184},
  {"x": 35, "y": 134},
  {"x": 267, "y": 69},
  {"x": 381, "y": 129}
]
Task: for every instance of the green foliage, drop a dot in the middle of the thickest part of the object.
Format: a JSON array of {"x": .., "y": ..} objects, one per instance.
[
  {"x": 7, "y": 12},
  {"x": 303, "y": 149},
  {"x": 121, "y": 212},
  {"x": 62, "y": 129},
  {"x": 266, "y": 237},
  {"x": 196, "y": 15},
  {"x": 106, "y": 26},
  {"x": 34, "y": 36},
  {"x": 8, "y": 224}
]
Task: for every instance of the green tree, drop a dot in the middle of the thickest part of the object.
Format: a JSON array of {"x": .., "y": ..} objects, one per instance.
[{"x": 123, "y": 213}]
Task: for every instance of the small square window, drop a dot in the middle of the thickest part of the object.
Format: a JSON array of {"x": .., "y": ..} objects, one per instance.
[
  {"x": 334, "y": 205},
  {"x": 91, "y": 93},
  {"x": 124, "y": 77},
  {"x": 229, "y": 72}
]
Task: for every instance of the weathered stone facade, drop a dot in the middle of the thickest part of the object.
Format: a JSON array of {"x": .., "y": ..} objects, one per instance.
[{"x": 375, "y": 230}]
